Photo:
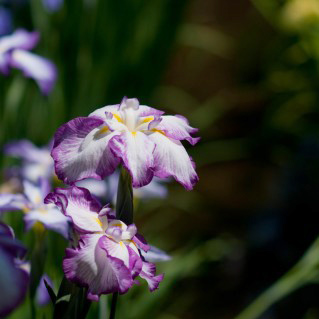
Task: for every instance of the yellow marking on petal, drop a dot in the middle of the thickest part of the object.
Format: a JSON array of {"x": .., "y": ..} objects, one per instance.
[
  {"x": 98, "y": 221},
  {"x": 134, "y": 133},
  {"x": 25, "y": 209},
  {"x": 158, "y": 131},
  {"x": 148, "y": 119},
  {"x": 118, "y": 118},
  {"x": 117, "y": 225},
  {"x": 103, "y": 130},
  {"x": 121, "y": 243}
]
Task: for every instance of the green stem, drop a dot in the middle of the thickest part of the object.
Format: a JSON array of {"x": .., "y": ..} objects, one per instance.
[
  {"x": 304, "y": 272},
  {"x": 113, "y": 305},
  {"x": 124, "y": 212}
]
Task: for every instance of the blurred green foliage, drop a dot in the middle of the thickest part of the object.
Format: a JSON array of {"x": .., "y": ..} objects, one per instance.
[{"x": 247, "y": 74}]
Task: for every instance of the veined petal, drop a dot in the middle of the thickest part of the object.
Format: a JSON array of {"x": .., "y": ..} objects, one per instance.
[
  {"x": 78, "y": 204},
  {"x": 51, "y": 218},
  {"x": 81, "y": 150},
  {"x": 136, "y": 151},
  {"x": 148, "y": 273},
  {"x": 108, "y": 108},
  {"x": 40, "y": 69},
  {"x": 90, "y": 265},
  {"x": 20, "y": 39},
  {"x": 145, "y": 110},
  {"x": 9, "y": 202},
  {"x": 115, "y": 249},
  {"x": 177, "y": 127},
  {"x": 171, "y": 159}
]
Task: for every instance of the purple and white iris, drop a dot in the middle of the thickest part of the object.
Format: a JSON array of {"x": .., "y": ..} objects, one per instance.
[
  {"x": 13, "y": 279},
  {"x": 107, "y": 258},
  {"x": 14, "y": 53},
  {"x": 145, "y": 141},
  {"x": 31, "y": 203},
  {"x": 36, "y": 161}
]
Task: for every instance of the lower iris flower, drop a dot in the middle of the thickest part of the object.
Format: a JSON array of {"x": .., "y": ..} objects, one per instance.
[{"x": 107, "y": 258}]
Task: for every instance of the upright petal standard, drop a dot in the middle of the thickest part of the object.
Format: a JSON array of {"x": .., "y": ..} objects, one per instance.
[{"x": 146, "y": 142}]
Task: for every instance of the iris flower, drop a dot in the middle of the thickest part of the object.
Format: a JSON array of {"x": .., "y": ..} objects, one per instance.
[
  {"x": 145, "y": 141},
  {"x": 107, "y": 258},
  {"x": 14, "y": 53},
  {"x": 31, "y": 203}
]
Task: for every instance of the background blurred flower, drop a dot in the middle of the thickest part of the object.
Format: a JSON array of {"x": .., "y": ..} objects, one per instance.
[
  {"x": 31, "y": 203},
  {"x": 142, "y": 138},
  {"x": 52, "y": 5},
  {"x": 13, "y": 279},
  {"x": 42, "y": 296},
  {"x": 36, "y": 161},
  {"x": 14, "y": 53},
  {"x": 5, "y": 21}
]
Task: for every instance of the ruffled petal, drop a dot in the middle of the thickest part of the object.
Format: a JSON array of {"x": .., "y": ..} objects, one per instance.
[
  {"x": 20, "y": 39},
  {"x": 79, "y": 205},
  {"x": 177, "y": 128},
  {"x": 51, "y": 218},
  {"x": 105, "y": 109},
  {"x": 81, "y": 150},
  {"x": 145, "y": 110},
  {"x": 90, "y": 265},
  {"x": 136, "y": 151},
  {"x": 38, "y": 68},
  {"x": 171, "y": 159},
  {"x": 148, "y": 273}
]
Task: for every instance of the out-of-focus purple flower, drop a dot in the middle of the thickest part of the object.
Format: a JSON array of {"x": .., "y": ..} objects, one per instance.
[
  {"x": 14, "y": 53},
  {"x": 145, "y": 141},
  {"x": 107, "y": 258},
  {"x": 42, "y": 296},
  {"x": 108, "y": 188},
  {"x": 31, "y": 203},
  {"x": 36, "y": 161},
  {"x": 155, "y": 254},
  {"x": 5, "y": 21},
  {"x": 52, "y": 5},
  {"x": 13, "y": 279}
]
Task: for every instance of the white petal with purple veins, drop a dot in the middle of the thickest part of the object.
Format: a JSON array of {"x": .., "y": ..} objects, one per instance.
[
  {"x": 78, "y": 204},
  {"x": 171, "y": 159},
  {"x": 177, "y": 128},
  {"x": 136, "y": 151},
  {"x": 81, "y": 150},
  {"x": 90, "y": 265}
]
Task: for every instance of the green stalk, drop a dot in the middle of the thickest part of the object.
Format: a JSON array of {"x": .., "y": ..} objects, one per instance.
[
  {"x": 301, "y": 274},
  {"x": 124, "y": 212}
]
